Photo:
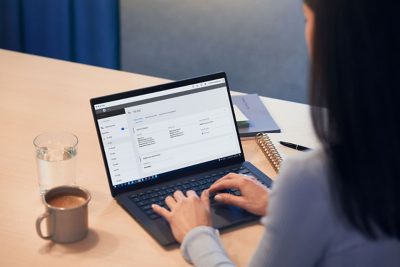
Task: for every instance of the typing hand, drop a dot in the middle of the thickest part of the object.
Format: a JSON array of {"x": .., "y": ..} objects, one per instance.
[
  {"x": 254, "y": 195},
  {"x": 186, "y": 212}
]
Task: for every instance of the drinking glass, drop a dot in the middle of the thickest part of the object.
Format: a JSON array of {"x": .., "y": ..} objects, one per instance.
[{"x": 56, "y": 159}]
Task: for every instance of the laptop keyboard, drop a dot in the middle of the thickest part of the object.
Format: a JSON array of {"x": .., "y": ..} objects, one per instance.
[{"x": 157, "y": 195}]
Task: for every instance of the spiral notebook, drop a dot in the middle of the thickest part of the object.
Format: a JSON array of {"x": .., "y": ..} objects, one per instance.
[{"x": 269, "y": 150}]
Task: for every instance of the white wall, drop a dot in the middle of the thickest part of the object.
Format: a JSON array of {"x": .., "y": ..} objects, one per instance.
[{"x": 259, "y": 43}]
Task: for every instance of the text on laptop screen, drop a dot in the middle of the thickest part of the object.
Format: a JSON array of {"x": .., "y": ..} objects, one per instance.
[{"x": 147, "y": 135}]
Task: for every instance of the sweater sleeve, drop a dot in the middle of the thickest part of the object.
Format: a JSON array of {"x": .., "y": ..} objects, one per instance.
[
  {"x": 202, "y": 247},
  {"x": 299, "y": 222}
]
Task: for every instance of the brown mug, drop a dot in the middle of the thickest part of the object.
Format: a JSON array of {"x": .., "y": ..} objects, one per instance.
[{"x": 66, "y": 214}]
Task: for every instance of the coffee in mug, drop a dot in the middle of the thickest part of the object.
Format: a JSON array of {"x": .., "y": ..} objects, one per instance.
[
  {"x": 66, "y": 201},
  {"x": 66, "y": 214}
]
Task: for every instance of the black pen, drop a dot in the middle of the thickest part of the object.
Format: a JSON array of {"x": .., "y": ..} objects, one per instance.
[{"x": 294, "y": 146}]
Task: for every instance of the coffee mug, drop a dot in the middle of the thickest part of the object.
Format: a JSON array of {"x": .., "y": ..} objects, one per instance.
[{"x": 66, "y": 214}]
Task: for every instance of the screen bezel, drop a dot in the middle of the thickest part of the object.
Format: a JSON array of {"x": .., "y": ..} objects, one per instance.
[{"x": 198, "y": 168}]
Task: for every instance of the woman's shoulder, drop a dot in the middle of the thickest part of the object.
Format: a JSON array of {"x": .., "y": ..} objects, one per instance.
[
  {"x": 302, "y": 182},
  {"x": 299, "y": 210},
  {"x": 307, "y": 173},
  {"x": 311, "y": 161},
  {"x": 302, "y": 191},
  {"x": 302, "y": 198}
]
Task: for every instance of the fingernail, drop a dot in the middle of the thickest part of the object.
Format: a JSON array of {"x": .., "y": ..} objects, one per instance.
[
  {"x": 152, "y": 206},
  {"x": 217, "y": 197}
]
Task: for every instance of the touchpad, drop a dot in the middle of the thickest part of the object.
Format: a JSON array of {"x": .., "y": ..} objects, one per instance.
[{"x": 226, "y": 215}]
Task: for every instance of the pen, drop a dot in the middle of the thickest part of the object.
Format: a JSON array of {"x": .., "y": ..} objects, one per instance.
[{"x": 294, "y": 146}]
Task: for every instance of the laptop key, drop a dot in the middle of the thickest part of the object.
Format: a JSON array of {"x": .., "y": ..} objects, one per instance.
[
  {"x": 149, "y": 212},
  {"x": 143, "y": 198},
  {"x": 235, "y": 192},
  {"x": 141, "y": 203},
  {"x": 146, "y": 207},
  {"x": 154, "y": 216},
  {"x": 161, "y": 203}
]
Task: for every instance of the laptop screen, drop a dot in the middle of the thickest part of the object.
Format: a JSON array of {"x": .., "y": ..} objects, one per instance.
[{"x": 156, "y": 132}]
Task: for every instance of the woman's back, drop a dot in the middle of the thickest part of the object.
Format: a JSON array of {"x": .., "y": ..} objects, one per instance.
[{"x": 304, "y": 226}]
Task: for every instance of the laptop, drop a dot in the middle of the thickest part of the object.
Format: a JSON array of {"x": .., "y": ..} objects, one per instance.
[{"x": 176, "y": 136}]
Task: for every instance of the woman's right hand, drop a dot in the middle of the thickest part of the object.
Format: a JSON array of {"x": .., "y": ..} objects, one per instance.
[{"x": 254, "y": 195}]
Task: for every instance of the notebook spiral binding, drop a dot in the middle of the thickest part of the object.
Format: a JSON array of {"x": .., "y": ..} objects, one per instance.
[{"x": 269, "y": 150}]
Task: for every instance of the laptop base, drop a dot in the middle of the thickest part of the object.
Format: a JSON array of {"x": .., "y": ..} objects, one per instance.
[{"x": 223, "y": 216}]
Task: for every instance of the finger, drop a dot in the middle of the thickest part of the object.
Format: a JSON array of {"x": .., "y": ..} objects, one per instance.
[
  {"x": 170, "y": 201},
  {"x": 231, "y": 199},
  {"x": 191, "y": 193},
  {"x": 205, "y": 198},
  {"x": 178, "y": 195},
  {"x": 230, "y": 175},
  {"x": 254, "y": 179},
  {"x": 161, "y": 211},
  {"x": 225, "y": 184}
]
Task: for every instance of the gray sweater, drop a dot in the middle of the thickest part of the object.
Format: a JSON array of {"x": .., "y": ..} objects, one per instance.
[{"x": 302, "y": 228}]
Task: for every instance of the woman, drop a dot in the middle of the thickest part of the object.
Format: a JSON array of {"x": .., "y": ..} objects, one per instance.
[{"x": 339, "y": 206}]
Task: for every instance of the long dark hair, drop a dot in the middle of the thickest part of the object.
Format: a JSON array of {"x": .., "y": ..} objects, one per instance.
[{"x": 355, "y": 94}]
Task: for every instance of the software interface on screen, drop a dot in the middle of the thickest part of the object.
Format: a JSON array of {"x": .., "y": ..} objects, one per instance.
[{"x": 147, "y": 135}]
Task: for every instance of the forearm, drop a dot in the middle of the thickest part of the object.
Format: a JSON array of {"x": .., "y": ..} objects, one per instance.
[{"x": 202, "y": 247}]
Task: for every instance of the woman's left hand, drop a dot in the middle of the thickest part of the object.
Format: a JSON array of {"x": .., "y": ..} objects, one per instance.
[{"x": 186, "y": 212}]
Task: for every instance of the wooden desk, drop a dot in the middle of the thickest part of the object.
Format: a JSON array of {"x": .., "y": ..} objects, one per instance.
[{"x": 39, "y": 94}]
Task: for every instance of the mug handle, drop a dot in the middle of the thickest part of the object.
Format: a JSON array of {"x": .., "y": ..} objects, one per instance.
[{"x": 38, "y": 223}]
